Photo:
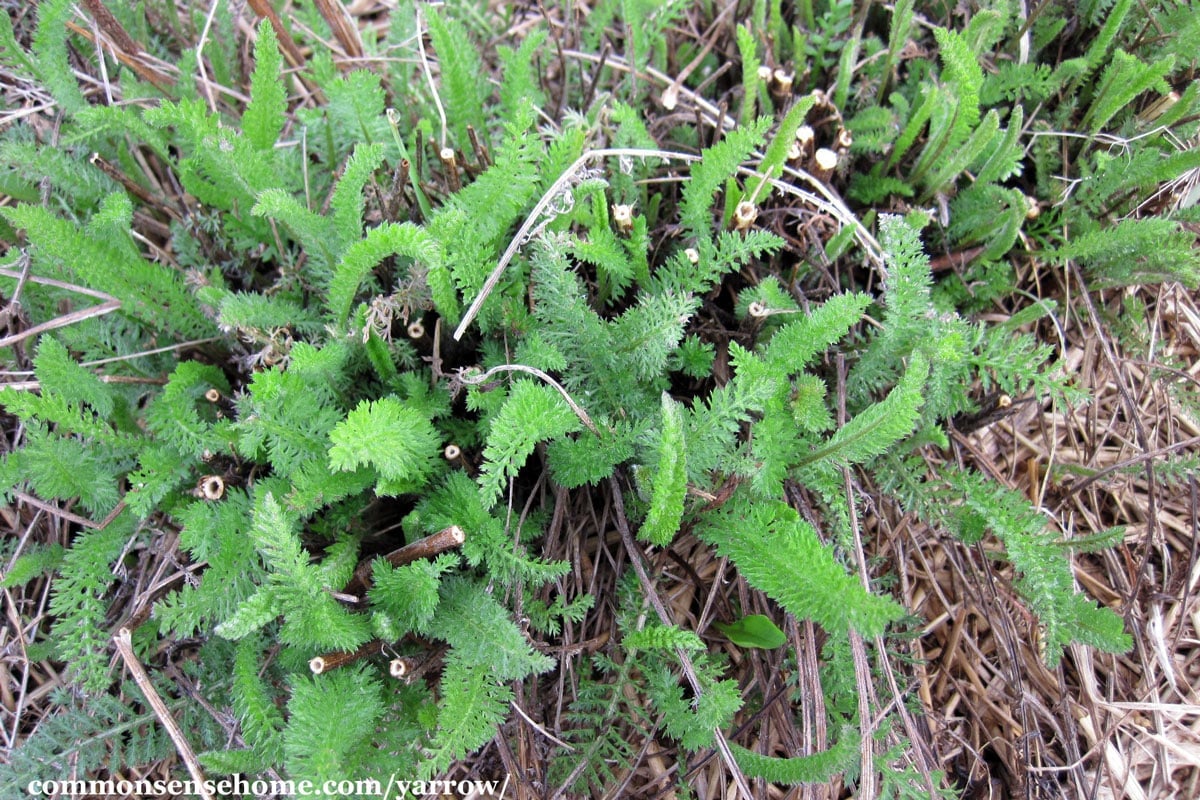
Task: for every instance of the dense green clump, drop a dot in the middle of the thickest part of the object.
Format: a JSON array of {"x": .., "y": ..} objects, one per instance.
[{"x": 289, "y": 364}]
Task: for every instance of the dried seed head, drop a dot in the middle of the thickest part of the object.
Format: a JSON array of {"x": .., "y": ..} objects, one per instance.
[
  {"x": 744, "y": 215},
  {"x": 212, "y": 487},
  {"x": 452, "y": 452},
  {"x": 622, "y": 217},
  {"x": 692, "y": 255},
  {"x": 213, "y": 395},
  {"x": 415, "y": 329}
]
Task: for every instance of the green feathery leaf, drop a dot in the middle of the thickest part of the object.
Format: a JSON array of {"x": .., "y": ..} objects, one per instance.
[
  {"x": 670, "y": 479},
  {"x": 817, "y": 768},
  {"x": 533, "y": 412},
  {"x": 398, "y": 441},
  {"x": 319, "y": 751},
  {"x": 661, "y": 637},
  {"x": 482, "y": 633},
  {"x": 473, "y": 704},
  {"x": 263, "y": 119},
  {"x": 717, "y": 164},
  {"x": 779, "y": 554}
]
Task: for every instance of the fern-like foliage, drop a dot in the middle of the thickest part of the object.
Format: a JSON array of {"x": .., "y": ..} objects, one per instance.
[
  {"x": 11, "y": 52},
  {"x": 68, "y": 468},
  {"x": 879, "y": 426},
  {"x": 1134, "y": 251},
  {"x": 34, "y": 561},
  {"x": 51, "y": 57},
  {"x": 479, "y": 630},
  {"x": 532, "y": 412},
  {"x": 286, "y": 418},
  {"x": 874, "y": 129},
  {"x": 971, "y": 506},
  {"x": 318, "y": 751},
  {"x": 908, "y": 308},
  {"x": 88, "y": 735},
  {"x": 520, "y": 83},
  {"x": 296, "y": 589},
  {"x": 457, "y": 501},
  {"x": 1120, "y": 182},
  {"x": 797, "y": 342},
  {"x": 799, "y": 770},
  {"x": 183, "y": 417},
  {"x": 716, "y": 165},
  {"x": 78, "y": 603},
  {"x": 473, "y": 704},
  {"x": 1125, "y": 78},
  {"x": 596, "y": 719},
  {"x": 600, "y": 356},
  {"x": 409, "y": 594},
  {"x": 781, "y": 555},
  {"x": 458, "y": 58},
  {"x": 988, "y": 215},
  {"x": 107, "y": 262},
  {"x": 962, "y": 71},
  {"x": 214, "y": 533},
  {"x": 670, "y": 481},
  {"x": 474, "y": 224},
  {"x": 693, "y": 721},
  {"x": 59, "y": 374},
  {"x": 1014, "y": 81},
  {"x": 263, "y": 119},
  {"x": 253, "y": 392},
  {"x": 398, "y": 441},
  {"x": 262, "y": 723}
]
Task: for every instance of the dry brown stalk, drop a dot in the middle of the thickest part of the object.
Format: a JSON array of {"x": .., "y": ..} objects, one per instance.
[
  {"x": 329, "y": 661},
  {"x": 182, "y": 747},
  {"x": 291, "y": 50},
  {"x": 125, "y": 48},
  {"x": 132, "y": 186},
  {"x": 342, "y": 25},
  {"x": 109, "y": 305},
  {"x": 430, "y": 546}
]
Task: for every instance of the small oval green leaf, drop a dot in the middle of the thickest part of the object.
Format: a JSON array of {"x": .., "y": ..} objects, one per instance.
[{"x": 754, "y": 630}]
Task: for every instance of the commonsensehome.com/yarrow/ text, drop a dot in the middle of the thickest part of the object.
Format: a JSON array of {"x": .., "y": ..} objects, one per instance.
[{"x": 238, "y": 785}]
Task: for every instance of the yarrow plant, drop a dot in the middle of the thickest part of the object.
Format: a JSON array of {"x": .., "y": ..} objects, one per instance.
[{"x": 347, "y": 397}]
